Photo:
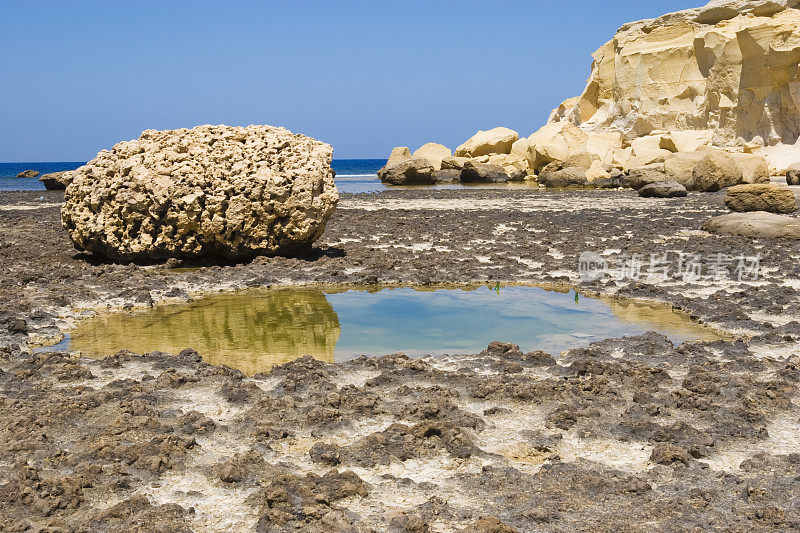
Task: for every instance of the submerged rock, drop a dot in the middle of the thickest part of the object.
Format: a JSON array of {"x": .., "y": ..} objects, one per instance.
[
  {"x": 221, "y": 191},
  {"x": 761, "y": 197},
  {"x": 28, "y": 174}
]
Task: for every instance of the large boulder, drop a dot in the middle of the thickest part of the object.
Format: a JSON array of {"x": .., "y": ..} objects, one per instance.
[
  {"x": 754, "y": 168},
  {"x": 715, "y": 170},
  {"x": 494, "y": 141},
  {"x": 483, "y": 173},
  {"x": 663, "y": 189},
  {"x": 514, "y": 165},
  {"x": 28, "y": 174},
  {"x": 448, "y": 175},
  {"x": 56, "y": 181},
  {"x": 640, "y": 177},
  {"x": 793, "y": 174},
  {"x": 680, "y": 167},
  {"x": 414, "y": 171},
  {"x": 218, "y": 191},
  {"x": 398, "y": 155},
  {"x": 434, "y": 153},
  {"x": 755, "y": 225},
  {"x": 570, "y": 177},
  {"x": 761, "y": 197}
]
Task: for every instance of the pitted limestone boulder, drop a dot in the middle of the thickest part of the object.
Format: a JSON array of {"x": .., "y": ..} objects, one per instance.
[{"x": 221, "y": 191}]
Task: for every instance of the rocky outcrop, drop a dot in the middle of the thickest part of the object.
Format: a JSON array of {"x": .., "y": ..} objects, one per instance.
[
  {"x": 398, "y": 155},
  {"x": 755, "y": 225},
  {"x": 222, "y": 191},
  {"x": 494, "y": 141},
  {"x": 761, "y": 197},
  {"x": 728, "y": 70},
  {"x": 56, "y": 181},
  {"x": 28, "y": 174}
]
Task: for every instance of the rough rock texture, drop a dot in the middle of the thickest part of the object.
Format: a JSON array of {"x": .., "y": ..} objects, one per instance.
[
  {"x": 729, "y": 67},
  {"x": 564, "y": 178},
  {"x": 414, "y": 171},
  {"x": 761, "y": 197},
  {"x": 793, "y": 174},
  {"x": 641, "y": 177},
  {"x": 715, "y": 171},
  {"x": 494, "y": 141},
  {"x": 663, "y": 189},
  {"x": 755, "y": 225},
  {"x": 398, "y": 155},
  {"x": 28, "y": 174},
  {"x": 208, "y": 191},
  {"x": 434, "y": 153},
  {"x": 56, "y": 181},
  {"x": 483, "y": 173}
]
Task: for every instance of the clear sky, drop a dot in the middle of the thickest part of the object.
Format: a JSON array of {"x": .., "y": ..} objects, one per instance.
[{"x": 77, "y": 76}]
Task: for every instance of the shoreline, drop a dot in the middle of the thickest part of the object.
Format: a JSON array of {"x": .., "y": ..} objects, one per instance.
[{"x": 624, "y": 432}]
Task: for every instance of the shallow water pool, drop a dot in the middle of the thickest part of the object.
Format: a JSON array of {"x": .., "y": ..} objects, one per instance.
[{"x": 256, "y": 329}]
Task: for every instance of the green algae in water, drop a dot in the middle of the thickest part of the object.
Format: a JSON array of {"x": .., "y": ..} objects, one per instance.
[{"x": 255, "y": 330}]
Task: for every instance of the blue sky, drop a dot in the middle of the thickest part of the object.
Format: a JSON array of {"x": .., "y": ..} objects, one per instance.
[{"x": 78, "y": 76}]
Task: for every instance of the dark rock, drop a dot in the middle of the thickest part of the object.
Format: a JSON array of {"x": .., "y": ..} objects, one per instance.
[
  {"x": 56, "y": 181},
  {"x": 663, "y": 189},
  {"x": 793, "y": 177},
  {"x": 448, "y": 175},
  {"x": 483, "y": 173}
]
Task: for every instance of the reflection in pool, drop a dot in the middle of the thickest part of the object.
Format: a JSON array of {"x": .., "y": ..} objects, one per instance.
[{"x": 254, "y": 330}]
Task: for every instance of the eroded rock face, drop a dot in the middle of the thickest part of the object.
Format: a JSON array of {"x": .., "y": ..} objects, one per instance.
[
  {"x": 207, "y": 191},
  {"x": 663, "y": 189},
  {"x": 729, "y": 68}
]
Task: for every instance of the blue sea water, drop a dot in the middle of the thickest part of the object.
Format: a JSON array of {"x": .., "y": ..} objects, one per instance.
[{"x": 352, "y": 175}]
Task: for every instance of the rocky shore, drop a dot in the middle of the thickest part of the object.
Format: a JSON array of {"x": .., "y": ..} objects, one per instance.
[{"x": 631, "y": 434}]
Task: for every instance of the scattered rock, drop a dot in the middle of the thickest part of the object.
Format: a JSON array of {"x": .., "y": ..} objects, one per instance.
[
  {"x": 716, "y": 170},
  {"x": 665, "y": 453},
  {"x": 494, "y": 141},
  {"x": 483, "y": 173},
  {"x": 415, "y": 171},
  {"x": 663, "y": 189},
  {"x": 761, "y": 197},
  {"x": 454, "y": 163},
  {"x": 221, "y": 191},
  {"x": 564, "y": 178},
  {"x": 434, "y": 153},
  {"x": 28, "y": 174},
  {"x": 56, "y": 181},
  {"x": 755, "y": 225},
  {"x": 398, "y": 155},
  {"x": 793, "y": 174},
  {"x": 639, "y": 177}
]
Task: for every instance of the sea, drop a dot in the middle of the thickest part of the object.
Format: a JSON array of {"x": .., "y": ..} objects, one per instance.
[{"x": 352, "y": 175}]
